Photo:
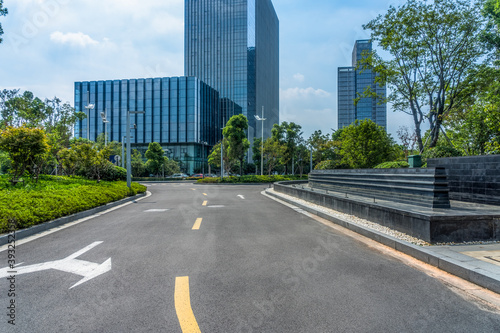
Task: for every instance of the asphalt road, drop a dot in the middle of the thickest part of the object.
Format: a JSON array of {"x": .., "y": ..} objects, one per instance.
[{"x": 253, "y": 265}]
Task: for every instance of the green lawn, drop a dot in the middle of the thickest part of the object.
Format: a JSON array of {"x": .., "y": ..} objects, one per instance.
[{"x": 53, "y": 197}]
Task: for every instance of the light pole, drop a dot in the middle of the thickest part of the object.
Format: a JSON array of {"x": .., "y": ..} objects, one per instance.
[
  {"x": 88, "y": 107},
  {"x": 105, "y": 121},
  {"x": 222, "y": 155},
  {"x": 261, "y": 142},
  {"x": 123, "y": 151},
  {"x": 129, "y": 175}
]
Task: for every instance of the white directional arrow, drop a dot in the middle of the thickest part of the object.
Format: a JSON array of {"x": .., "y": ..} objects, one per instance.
[
  {"x": 241, "y": 197},
  {"x": 70, "y": 264}
]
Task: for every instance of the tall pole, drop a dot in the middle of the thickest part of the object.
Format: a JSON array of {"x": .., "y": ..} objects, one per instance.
[
  {"x": 129, "y": 172},
  {"x": 123, "y": 151},
  {"x": 222, "y": 159},
  {"x": 129, "y": 177},
  {"x": 106, "y": 127},
  {"x": 88, "y": 115},
  {"x": 262, "y": 144}
]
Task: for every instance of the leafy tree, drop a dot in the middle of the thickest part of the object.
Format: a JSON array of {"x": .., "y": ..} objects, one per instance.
[
  {"x": 235, "y": 134},
  {"x": 408, "y": 139},
  {"x": 290, "y": 135},
  {"x": 3, "y": 12},
  {"x": 256, "y": 151},
  {"x": 137, "y": 165},
  {"x": 25, "y": 109},
  {"x": 214, "y": 157},
  {"x": 68, "y": 159},
  {"x": 156, "y": 158},
  {"x": 273, "y": 152},
  {"x": 324, "y": 146},
  {"x": 491, "y": 33},
  {"x": 434, "y": 45},
  {"x": 171, "y": 167},
  {"x": 26, "y": 147},
  {"x": 365, "y": 144}
]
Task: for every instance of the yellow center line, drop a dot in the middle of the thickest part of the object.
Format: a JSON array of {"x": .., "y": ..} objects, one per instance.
[
  {"x": 205, "y": 194},
  {"x": 197, "y": 224},
  {"x": 204, "y": 203},
  {"x": 183, "y": 306}
]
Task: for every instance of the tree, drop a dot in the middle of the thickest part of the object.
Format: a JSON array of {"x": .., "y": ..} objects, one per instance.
[
  {"x": 273, "y": 152},
  {"x": 290, "y": 135},
  {"x": 365, "y": 144},
  {"x": 434, "y": 45},
  {"x": 408, "y": 139},
  {"x": 491, "y": 33},
  {"x": 256, "y": 151},
  {"x": 214, "y": 157},
  {"x": 3, "y": 12},
  {"x": 68, "y": 159},
  {"x": 25, "y": 146},
  {"x": 156, "y": 158},
  {"x": 235, "y": 134},
  {"x": 137, "y": 164}
]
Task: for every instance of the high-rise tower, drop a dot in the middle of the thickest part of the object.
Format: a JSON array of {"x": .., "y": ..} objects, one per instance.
[
  {"x": 233, "y": 46},
  {"x": 352, "y": 82}
]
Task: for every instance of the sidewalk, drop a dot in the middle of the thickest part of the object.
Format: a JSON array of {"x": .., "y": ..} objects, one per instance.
[{"x": 477, "y": 263}]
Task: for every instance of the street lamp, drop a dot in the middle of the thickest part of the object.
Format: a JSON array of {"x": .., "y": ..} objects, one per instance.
[
  {"x": 129, "y": 176},
  {"x": 222, "y": 155},
  {"x": 105, "y": 121},
  {"x": 123, "y": 151},
  {"x": 261, "y": 141},
  {"x": 88, "y": 107}
]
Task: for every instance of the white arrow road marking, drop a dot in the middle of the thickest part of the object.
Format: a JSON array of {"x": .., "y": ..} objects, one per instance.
[
  {"x": 70, "y": 264},
  {"x": 155, "y": 210},
  {"x": 241, "y": 197}
]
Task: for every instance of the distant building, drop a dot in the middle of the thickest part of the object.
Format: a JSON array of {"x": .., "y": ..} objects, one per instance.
[
  {"x": 233, "y": 46},
  {"x": 180, "y": 114},
  {"x": 352, "y": 82}
]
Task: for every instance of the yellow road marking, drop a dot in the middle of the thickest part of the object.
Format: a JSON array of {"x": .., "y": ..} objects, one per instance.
[
  {"x": 197, "y": 224},
  {"x": 204, "y": 203},
  {"x": 183, "y": 306},
  {"x": 205, "y": 194}
]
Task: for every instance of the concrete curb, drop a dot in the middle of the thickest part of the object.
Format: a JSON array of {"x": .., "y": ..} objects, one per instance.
[
  {"x": 470, "y": 269},
  {"x": 24, "y": 233}
]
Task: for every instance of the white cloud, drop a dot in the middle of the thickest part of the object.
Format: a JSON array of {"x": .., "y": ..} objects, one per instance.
[
  {"x": 299, "y": 77},
  {"x": 302, "y": 93},
  {"x": 72, "y": 38}
]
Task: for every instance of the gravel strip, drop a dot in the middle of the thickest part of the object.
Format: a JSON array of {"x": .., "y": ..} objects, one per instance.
[{"x": 358, "y": 221}]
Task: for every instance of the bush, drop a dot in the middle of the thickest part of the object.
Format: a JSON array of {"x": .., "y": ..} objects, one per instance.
[
  {"x": 392, "y": 165},
  {"x": 251, "y": 179},
  {"x": 114, "y": 173},
  {"x": 440, "y": 151},
  {"x": 53, "y": 197}
]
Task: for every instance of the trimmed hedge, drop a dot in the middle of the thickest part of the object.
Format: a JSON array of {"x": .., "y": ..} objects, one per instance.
[
  {"x": 53, "y": 197},
  {"x": 250, "y": 179}
]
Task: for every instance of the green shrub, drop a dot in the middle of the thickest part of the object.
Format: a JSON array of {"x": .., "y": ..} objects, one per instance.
[
  {"x": 114, "y": 173},
  {"x": 392, "y": 165},
  {"x": 250, "y": 179},
  {"x": 53, "y": 197}
]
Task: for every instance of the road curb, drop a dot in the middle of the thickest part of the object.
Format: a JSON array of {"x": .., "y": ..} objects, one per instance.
[
  {"x": 473, "y": 270},
  {"x": 24, "y": 233}
]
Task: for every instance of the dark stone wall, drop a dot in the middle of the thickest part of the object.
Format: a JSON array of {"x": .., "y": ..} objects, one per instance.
[{"x": 472, "y": 179}]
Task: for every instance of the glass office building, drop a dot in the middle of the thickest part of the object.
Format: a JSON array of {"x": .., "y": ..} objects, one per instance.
[
  {"x": 180, "y": 114},
  {"x": 233, "y": 46},
  {"x": 352, "y": 82}
]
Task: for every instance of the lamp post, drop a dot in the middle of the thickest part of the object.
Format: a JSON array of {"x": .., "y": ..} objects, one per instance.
[
  {"x": 261, "y": 142},
  {"x": 222, "y": 155},
  {"x": 123, "y": 151},
  {"x": 203, "y": 143},
  {"x": 105, "y": 121},
  {"x": 129, "y": 175},
  {"x": 88, "y": 107}
]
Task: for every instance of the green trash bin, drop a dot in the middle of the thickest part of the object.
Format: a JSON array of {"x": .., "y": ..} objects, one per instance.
[{"x": 415, "y": 161}]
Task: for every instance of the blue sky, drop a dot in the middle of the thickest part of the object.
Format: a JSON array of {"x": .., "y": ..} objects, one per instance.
[{"x": 50, "y": 44}]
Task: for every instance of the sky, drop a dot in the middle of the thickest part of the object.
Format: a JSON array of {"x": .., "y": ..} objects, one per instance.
[{"x": 50, "y": 44}]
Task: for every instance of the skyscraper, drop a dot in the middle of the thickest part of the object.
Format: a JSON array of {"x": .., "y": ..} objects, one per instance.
[
  {"x": 233, "y": 46},
  {"x": 352, "y": 82}
]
